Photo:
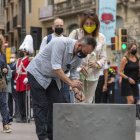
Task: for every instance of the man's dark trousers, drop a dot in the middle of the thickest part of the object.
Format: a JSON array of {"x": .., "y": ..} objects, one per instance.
[
  {"x": 64, "y": 97},
  {"x": 12, "y": 96},
  {"x": 22, "y": 104},
  {"x": 39, "y": 97},
  {"x": 99, "y": 89}
]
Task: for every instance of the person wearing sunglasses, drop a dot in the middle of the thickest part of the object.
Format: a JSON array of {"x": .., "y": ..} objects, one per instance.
[
  {"x": 89, "y": 25},
  {"x": 46, "y": 70}
]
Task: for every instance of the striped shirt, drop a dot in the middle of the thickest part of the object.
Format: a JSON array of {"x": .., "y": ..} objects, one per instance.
[{"x": 56, "y": 55}]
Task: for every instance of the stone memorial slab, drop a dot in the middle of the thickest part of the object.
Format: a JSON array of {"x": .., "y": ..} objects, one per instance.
[{"x": 94, "y": 122}]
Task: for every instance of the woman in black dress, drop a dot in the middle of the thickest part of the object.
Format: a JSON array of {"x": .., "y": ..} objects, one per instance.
[{"x": 129, "y": 71}]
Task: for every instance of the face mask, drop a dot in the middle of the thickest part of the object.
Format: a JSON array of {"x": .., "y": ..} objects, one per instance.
[
  {"x": 108, "y": 66},
  {"x": 21, "y": 54},
  {"x": 12, "y": 60},
  {"x": 59, "y": 31},
  {"x": 134, "y": 51},
  {"x": 80, "y": 54},
  {"x": 89, "y": 29}
]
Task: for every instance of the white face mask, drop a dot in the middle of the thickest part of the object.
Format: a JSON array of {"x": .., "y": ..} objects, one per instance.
[
  {"x": 12, "y": 60},
  {"x": 108, "y": 66}
]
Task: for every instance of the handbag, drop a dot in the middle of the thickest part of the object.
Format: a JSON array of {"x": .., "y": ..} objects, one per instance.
[{"x": 3, "y": 85}]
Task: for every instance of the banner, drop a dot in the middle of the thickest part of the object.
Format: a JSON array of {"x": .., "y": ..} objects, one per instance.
[{"x": 107, "y": 18}]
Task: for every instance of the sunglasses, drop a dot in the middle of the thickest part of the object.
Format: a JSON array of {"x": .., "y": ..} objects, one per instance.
[
  {"x": 68, "y": 68},
  {"x": 88, "y": 13}
]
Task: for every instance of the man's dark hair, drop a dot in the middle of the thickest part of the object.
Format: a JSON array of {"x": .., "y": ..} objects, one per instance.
[
  {"x": 15, "y": 54},
  {"x": 88, "y": 40},
  {"x": 56, "y": 19}
]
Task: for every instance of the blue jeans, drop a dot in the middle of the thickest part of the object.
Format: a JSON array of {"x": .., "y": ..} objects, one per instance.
[
  {"x": 64, "y": 92},
  {"x": 3, "y": 107},
  {"x": 71, "y": 96}
]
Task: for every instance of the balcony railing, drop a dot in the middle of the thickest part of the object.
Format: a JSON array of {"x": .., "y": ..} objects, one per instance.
[
  {"x": 73, "y": 6},
  {"x": 17, "y": 21},
  {"x": 8, "y": 26}
]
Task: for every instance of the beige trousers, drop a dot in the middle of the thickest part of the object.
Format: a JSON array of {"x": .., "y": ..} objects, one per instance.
[{"x": 89, "y": 91}]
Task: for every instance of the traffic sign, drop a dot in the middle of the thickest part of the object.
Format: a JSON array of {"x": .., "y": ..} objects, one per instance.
[{"x": 6, "y": 44}]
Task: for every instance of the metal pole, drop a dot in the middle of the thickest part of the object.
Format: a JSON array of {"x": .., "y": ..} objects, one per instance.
[
  {"x": 23, "y": 34},
  {"x": 23, "y": 29},
  {"x": 118, "y": 58}
]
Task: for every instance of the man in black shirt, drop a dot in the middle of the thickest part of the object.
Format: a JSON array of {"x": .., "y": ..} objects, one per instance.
[{"x": 107, "y": 95}]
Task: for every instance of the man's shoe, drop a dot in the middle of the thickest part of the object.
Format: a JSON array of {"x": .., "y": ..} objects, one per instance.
[{"x": 6, "y": 129}]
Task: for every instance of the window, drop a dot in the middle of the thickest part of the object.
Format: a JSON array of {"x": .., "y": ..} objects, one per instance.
[{"x": 30, "y": 6}]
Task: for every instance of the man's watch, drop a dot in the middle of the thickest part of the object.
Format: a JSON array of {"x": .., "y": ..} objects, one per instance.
[{"x": 76, "y": 94}]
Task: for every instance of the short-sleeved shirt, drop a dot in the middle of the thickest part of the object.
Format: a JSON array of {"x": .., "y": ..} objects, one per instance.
[
  {"x": 44, "y": 42},
  {"x": 56, "y": 55}
]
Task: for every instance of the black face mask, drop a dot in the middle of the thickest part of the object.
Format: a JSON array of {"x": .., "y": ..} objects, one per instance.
[
  {"x": 134, "y": 51},
  {"x": 21, "y": 54},
  {"x": 80, "y": 54},
  {"x": 59, "y": 31}
]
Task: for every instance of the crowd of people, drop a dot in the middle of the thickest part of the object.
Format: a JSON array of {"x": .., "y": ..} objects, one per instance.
[{"x": 70, "y": 69}]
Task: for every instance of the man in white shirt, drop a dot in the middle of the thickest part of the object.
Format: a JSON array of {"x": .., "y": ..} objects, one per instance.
[{"x": 58, "y": 28}]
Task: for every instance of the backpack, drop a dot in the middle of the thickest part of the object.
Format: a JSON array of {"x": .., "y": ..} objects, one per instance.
[{"x": 49, "y": 37}]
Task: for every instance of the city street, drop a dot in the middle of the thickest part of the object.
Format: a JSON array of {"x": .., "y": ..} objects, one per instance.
[{"x": 24, "y": 131}]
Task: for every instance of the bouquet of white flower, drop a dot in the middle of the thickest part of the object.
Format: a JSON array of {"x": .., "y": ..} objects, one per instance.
[{"x": 82, "y": 76}]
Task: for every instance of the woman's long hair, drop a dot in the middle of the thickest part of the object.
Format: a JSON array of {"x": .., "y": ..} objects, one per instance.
[
  {"x": 2, "y": 44},
  {"x": 128, "y": 50},
  {"x": 93, "y": 18}
]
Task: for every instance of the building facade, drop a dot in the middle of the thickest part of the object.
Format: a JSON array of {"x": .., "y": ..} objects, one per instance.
[
  {"x": 42, "y": 13},
  {"x": 2, "y": 20},
  {"x": 12, "y": 12}
]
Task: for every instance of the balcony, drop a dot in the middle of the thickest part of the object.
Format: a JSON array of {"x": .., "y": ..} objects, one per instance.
[
  {"x": 73, "y": 7},
  {"x": 135, "y": 5},
  {"x": 17, "y": 21}
]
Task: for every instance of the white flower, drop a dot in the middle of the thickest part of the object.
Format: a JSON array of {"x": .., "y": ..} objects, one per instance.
[
  {"x": 93, "y": 54},
  {"x": 78, "y": 69}
]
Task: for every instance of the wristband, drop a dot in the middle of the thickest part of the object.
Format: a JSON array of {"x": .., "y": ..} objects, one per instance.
[
  {"x": 76, "y": 94},
  {"x": 128, "y": 78}
]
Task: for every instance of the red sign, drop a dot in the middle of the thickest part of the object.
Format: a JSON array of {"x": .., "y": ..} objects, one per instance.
[
  {"x": 6, "y": 44},
  {"x": 107, "y": 18}
]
